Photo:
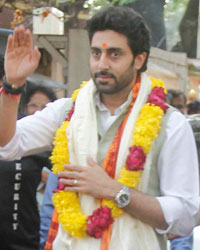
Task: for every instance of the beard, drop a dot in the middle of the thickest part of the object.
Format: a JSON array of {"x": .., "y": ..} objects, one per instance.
[{"x": 113, "y": 85}]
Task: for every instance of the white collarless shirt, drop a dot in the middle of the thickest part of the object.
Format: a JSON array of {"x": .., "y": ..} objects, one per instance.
[{"x": 177, "y": 164}]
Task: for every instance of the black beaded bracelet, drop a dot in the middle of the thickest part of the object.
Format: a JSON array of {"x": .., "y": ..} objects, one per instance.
[{"x": 10, "y": 89}]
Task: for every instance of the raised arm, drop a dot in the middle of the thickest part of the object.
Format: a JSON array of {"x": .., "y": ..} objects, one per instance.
[{"x": 21, "y": 60}]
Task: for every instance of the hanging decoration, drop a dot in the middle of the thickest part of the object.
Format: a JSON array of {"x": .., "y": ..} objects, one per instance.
[{"x": 18, "y": 17}]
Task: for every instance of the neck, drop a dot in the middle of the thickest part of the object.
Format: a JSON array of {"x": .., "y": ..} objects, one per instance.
[{"x": 113, "y": 101}]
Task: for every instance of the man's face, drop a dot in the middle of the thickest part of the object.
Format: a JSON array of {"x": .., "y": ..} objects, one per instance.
[
  {"x": 37, "y": 102},
  {"x": 111, "y": 62},
  {"x": 179, "y": 103}
]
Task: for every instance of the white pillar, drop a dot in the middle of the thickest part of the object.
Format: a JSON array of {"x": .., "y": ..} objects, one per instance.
[{"x": 78, "y": 59}]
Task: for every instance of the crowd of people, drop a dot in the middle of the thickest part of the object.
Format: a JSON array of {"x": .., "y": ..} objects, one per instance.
[{"x": 122, "y": 175}]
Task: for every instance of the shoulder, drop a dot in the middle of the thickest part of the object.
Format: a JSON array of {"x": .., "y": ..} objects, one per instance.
[
  {"x": 178, "y": 125},
  {"x": 47, "y": 119},
  {"x": 177, "y": 118},
  {"x": 60, "y": 103},
  {"x": 56, "y": 110},
  {"x": 61, "y": 107}
]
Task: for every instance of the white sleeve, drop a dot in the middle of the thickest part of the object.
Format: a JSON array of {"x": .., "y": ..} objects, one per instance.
[
  {"x": 179, "y": 177},
  {"x": 34, "y": 133}
]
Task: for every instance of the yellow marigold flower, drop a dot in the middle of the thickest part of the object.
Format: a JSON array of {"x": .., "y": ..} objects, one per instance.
[
  {"x": 70, "y": 214},
  {"x": 158, "y": 83},
  {"x": 60, "y": 153},
  {"x": 74, "y": 223},
  {"x": 147, "y": 126},
  {"x": 116, "y": 211},
  {"x": 75, "y": 93},
  {"x": 130, "y": 178}
]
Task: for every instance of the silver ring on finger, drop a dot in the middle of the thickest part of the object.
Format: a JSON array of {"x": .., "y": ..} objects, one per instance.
[{"x": 75, "y": 182}]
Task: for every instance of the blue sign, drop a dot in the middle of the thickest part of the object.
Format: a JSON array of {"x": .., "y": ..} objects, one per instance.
[{"x": 4, "y": 33}]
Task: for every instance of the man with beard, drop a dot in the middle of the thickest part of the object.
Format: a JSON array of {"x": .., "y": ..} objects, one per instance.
[{"x": 121, "y": 150}]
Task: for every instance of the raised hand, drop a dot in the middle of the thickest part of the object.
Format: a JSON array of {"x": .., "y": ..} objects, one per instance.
[{"x": 21, "y": 59}]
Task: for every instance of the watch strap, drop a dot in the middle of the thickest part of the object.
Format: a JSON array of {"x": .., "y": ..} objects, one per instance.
[
  {"x": 126, "y": 188},
  {"x": 10, "y": 89}
]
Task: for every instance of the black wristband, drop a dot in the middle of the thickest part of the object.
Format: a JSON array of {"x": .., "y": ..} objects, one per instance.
[{"x": 9, "y": 89}]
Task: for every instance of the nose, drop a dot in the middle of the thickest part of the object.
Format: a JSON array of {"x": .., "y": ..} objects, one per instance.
[{"x": 103, "y": 62}]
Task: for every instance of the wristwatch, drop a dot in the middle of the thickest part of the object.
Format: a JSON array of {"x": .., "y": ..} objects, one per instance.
[{"x": 122, "y": 198}]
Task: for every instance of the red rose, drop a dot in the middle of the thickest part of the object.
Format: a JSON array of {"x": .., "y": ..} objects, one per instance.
[
  {"x": 136, "y": 159},
  {"x": 157, "y": 97},
  {"x": 71, "y": 112},
  {"x": 98, "y": 221},
  {"x": 159, "y": 92},
  {"x": 61, "y": 186}
]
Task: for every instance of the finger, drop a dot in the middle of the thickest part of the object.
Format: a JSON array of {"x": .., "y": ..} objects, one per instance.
[
  {"x": 9, "y": 43},
  {"x": 36, "y": 57},
  {"x": 16, "y": 38},
  {"x": 70, "y": 174},
  {"x": 70, "y": 182},
  {"x": 73, "y": 189},
  {"x": 73, "y": 167},
  {"x": 22, "y": 36},
  {"x": 36, "y": 54},
  {"x": 91, "y": 162},
  {"x": 29, "y": 41}
]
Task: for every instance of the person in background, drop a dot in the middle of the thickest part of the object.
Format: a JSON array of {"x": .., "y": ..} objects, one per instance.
[
  {"x": 47, "y": 208},
  {"x": 35, "y": 99},
  {"x": 193, "y": 107},
  {"x": 19, "y": 180},
  {"x": 177, "y": 99},
  {"x": 127, "y": 189}
]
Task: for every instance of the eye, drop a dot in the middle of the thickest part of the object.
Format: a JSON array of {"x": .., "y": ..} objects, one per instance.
[
  {"x": 96, "y": 53},
  {"x": 32, "y": 105},
  {"x": 115, "y": 54}
]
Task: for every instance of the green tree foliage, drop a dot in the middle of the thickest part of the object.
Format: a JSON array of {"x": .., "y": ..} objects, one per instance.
[
  {"x": 73, "y": 7},
  {"x": 175, "y": 8}
]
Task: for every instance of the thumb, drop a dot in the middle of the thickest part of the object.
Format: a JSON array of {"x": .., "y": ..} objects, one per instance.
[{"x": 36, "y": 55}]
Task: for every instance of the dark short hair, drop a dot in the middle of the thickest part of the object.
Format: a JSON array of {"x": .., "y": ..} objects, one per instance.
[
  {"x": 174, "y": 93},
  {"x": 1, "y": 67},
  {"x": 126, "y": 21},
  {"x": 32, "y": 89},
  {"x": 193, "y": 107},
  {"x": 29, "y": 91}
]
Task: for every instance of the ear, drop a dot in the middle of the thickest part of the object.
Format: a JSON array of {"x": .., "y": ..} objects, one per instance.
[{"x": 139, "y": 60}]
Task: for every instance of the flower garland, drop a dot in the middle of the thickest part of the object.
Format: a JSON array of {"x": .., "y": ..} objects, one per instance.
[{"x": 146, "y": 130}]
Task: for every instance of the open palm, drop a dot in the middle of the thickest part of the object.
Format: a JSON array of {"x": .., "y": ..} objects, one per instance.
[{"x": 21, "y": 59}]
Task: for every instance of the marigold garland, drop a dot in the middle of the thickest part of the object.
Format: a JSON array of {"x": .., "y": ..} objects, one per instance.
[{"x": 146, "y": 130}]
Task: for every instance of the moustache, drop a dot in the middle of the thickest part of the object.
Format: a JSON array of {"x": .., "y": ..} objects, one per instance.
[{"x": 104, "y": 73}]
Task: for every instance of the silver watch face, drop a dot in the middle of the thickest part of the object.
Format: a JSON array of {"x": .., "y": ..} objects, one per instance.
[{"x": 122, "y": 198}]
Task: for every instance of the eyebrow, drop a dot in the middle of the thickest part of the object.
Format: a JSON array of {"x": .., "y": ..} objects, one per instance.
[{"x": 107, "y": 49}]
